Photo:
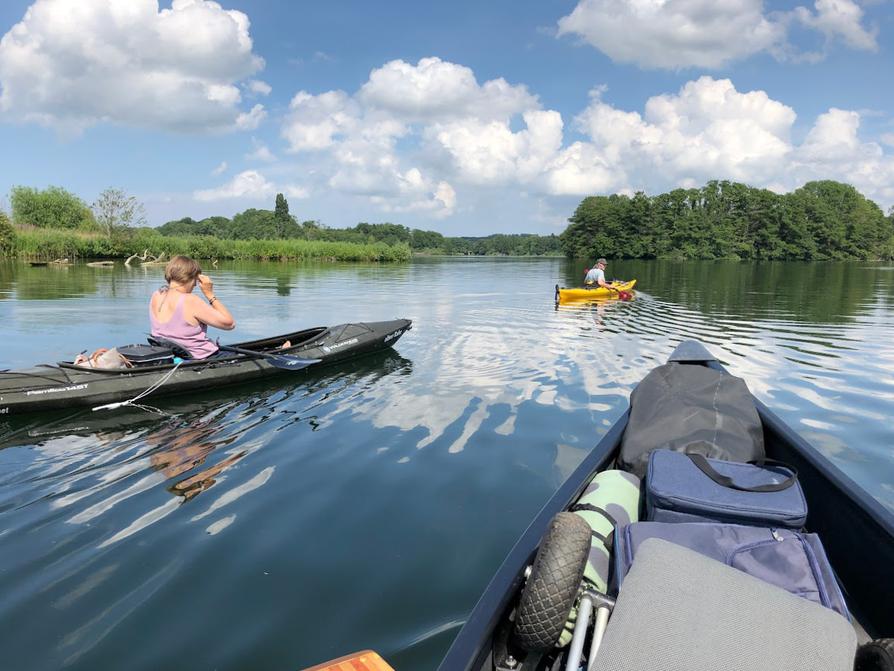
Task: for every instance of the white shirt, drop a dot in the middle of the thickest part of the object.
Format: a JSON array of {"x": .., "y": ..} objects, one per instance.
[{"x": 594, "y": 276}]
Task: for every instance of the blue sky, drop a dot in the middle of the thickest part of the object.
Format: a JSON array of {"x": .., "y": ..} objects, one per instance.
[{"x": 460, "y": 117}]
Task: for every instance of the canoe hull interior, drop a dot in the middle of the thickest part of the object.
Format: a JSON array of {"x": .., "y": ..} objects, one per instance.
[
  {"x": 857, "y": 533},
  {"x": 65, "y": 386}
]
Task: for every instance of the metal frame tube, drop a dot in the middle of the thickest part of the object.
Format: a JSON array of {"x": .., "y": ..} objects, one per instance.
[
  {"x": 580, "y": 632},
  {"x": 602, "y": 613}
]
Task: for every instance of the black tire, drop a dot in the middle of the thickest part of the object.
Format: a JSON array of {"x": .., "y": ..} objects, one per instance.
[
  {"x": 555, "y": 579},
  {"x": 877, "y": 655}
]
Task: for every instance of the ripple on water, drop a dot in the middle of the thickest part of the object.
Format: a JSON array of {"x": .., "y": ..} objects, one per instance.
[{"x": 237, "y": 525}]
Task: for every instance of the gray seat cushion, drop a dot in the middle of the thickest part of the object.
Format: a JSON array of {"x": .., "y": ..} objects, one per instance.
[{"x": 681, "y": 611}]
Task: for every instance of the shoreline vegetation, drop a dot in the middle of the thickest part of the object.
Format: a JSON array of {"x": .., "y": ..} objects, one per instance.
[
  {"x": 823, "y": 220},
  {"x": 55, "y": 224}
]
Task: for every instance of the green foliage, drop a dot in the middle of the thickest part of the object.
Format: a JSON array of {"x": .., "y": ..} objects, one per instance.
[
  {"x": 420, "y": 240},
  {"x": 116, "y": 213},
  {"x": 263, "y": 224},
  {"x": 52, "y": 244},
  {"x": 216, "y": 226},
  {"x": 728, "y": 220},
  {"x": 252, "y": 224},
  {"x": 7, "y": 235},
  {"x": 523, "y": 244},
  {"x": 281, "y": 217},
  {"x": 53, "y": 207}
]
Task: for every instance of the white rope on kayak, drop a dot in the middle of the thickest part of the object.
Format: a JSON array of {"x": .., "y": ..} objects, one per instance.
[{"x": 146, "y": 392}]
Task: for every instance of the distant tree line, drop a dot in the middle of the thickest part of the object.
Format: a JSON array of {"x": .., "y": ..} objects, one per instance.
[
  {"x": 120, "y": 217},
  {"x": 727, "y": 220},
  {"x": 55, "y": 224},
  {"x": 280, "y": 224},
  {"x": 721, "y": 220}
]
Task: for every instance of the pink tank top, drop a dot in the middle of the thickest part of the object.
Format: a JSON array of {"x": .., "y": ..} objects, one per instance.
[{"x": 193, "y": 339}]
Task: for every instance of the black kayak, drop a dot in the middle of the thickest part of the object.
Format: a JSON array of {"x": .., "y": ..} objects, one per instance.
[
  {"x": 65, "y": 385},
  {"x": 856, "y": 530}
]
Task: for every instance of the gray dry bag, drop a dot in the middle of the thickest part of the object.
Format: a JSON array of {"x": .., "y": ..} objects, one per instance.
[{"x": 692, "y": 409}]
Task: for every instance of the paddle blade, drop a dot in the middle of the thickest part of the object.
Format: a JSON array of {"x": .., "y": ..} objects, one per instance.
[
  {"x": 360, "y": 661},
  {"x": 287, "y": 362}
]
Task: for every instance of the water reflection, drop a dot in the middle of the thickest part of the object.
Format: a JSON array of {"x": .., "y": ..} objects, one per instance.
[
  {"x": 182, "y": 448},
  {"x": 107, "y": 458},
  {"x": 598, "y": 309},
  {"x": 26, "y": 283},
  {"x": 253, "y": 504}
]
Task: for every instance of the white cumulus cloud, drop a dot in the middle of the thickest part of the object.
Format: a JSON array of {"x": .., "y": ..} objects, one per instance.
[
  {"x": 259, "y": 87},
  {"x": 415, "y": 193},
  {"x": 435, "y": 90},
  {"x": 249, "y": 184},
  {"x": 415, "y": 138},
  {"x": 706, "y": 130},
  {"x": 834, "y": 150},
  {"x": 251, "y": 119},
  {"x": 839, "y": 19},
  {"x": 490, "y": 152},
  {"x": 709, "y": 130},
  {"x": 71, "y": 65},
  {"x": 260, "y": 152},
  {"x": 314, "y": 121},
  {"x": 434, "y": 103},
  {"x": 674, "y": 34}
]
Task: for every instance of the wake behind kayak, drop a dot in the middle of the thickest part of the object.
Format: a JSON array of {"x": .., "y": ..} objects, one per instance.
[{"x": 65, "y": 385}]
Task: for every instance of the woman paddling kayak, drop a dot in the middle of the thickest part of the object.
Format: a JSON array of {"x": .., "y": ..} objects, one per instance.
[{"x": 176, "y": 314}]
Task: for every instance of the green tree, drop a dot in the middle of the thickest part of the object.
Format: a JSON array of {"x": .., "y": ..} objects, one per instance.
[
  {"x": 311, "y": 230},
  {"x": 281, "y": 215},
  {"x": 728, "y": 220},
  {"x": 7, "y": 236},
  {"x": 254, "y": 224},
  {"x": 54, "y": 207},
  {"x": 598, "y": 228},
  {"x": 426, "y": 240},
  {"x": 115, "y": 212},
  {"x": 218, "y": 227}
]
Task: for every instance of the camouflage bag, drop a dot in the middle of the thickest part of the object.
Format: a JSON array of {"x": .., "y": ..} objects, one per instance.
[{"x": 610, "y": 502}]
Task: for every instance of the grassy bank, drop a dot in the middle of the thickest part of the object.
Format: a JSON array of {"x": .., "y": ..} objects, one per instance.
[{"x": 48, "y": 244}]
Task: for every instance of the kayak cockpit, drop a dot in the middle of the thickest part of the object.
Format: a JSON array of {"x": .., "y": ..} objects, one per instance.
[
  {"x": 159, "y": 356},
  {"x": 297, "y": 339}
]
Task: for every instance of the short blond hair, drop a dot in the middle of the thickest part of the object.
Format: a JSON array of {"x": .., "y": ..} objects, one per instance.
[{"x": 182, "y": 269}]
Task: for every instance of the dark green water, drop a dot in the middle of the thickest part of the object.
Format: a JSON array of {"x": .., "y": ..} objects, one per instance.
[{"x": 275, "y": 526}]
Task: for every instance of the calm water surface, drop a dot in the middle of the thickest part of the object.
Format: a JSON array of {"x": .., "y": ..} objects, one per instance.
[{"x": 367, "y": 505}]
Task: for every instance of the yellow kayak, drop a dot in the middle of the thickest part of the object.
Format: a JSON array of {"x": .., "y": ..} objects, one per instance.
[{"x": 584, "y": 293}]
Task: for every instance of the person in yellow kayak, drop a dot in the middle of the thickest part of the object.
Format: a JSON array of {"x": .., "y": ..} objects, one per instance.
[{"x": 596, "y": 275}]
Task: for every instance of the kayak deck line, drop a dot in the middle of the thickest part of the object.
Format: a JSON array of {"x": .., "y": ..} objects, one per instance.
[{"x": 141, "y": 395}]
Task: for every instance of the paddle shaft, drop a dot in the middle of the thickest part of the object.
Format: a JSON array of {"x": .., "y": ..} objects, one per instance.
[{"x": 290, "y": 362}]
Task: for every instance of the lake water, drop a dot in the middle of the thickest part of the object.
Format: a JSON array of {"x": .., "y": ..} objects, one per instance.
[{"x": 367, "y": 505}]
